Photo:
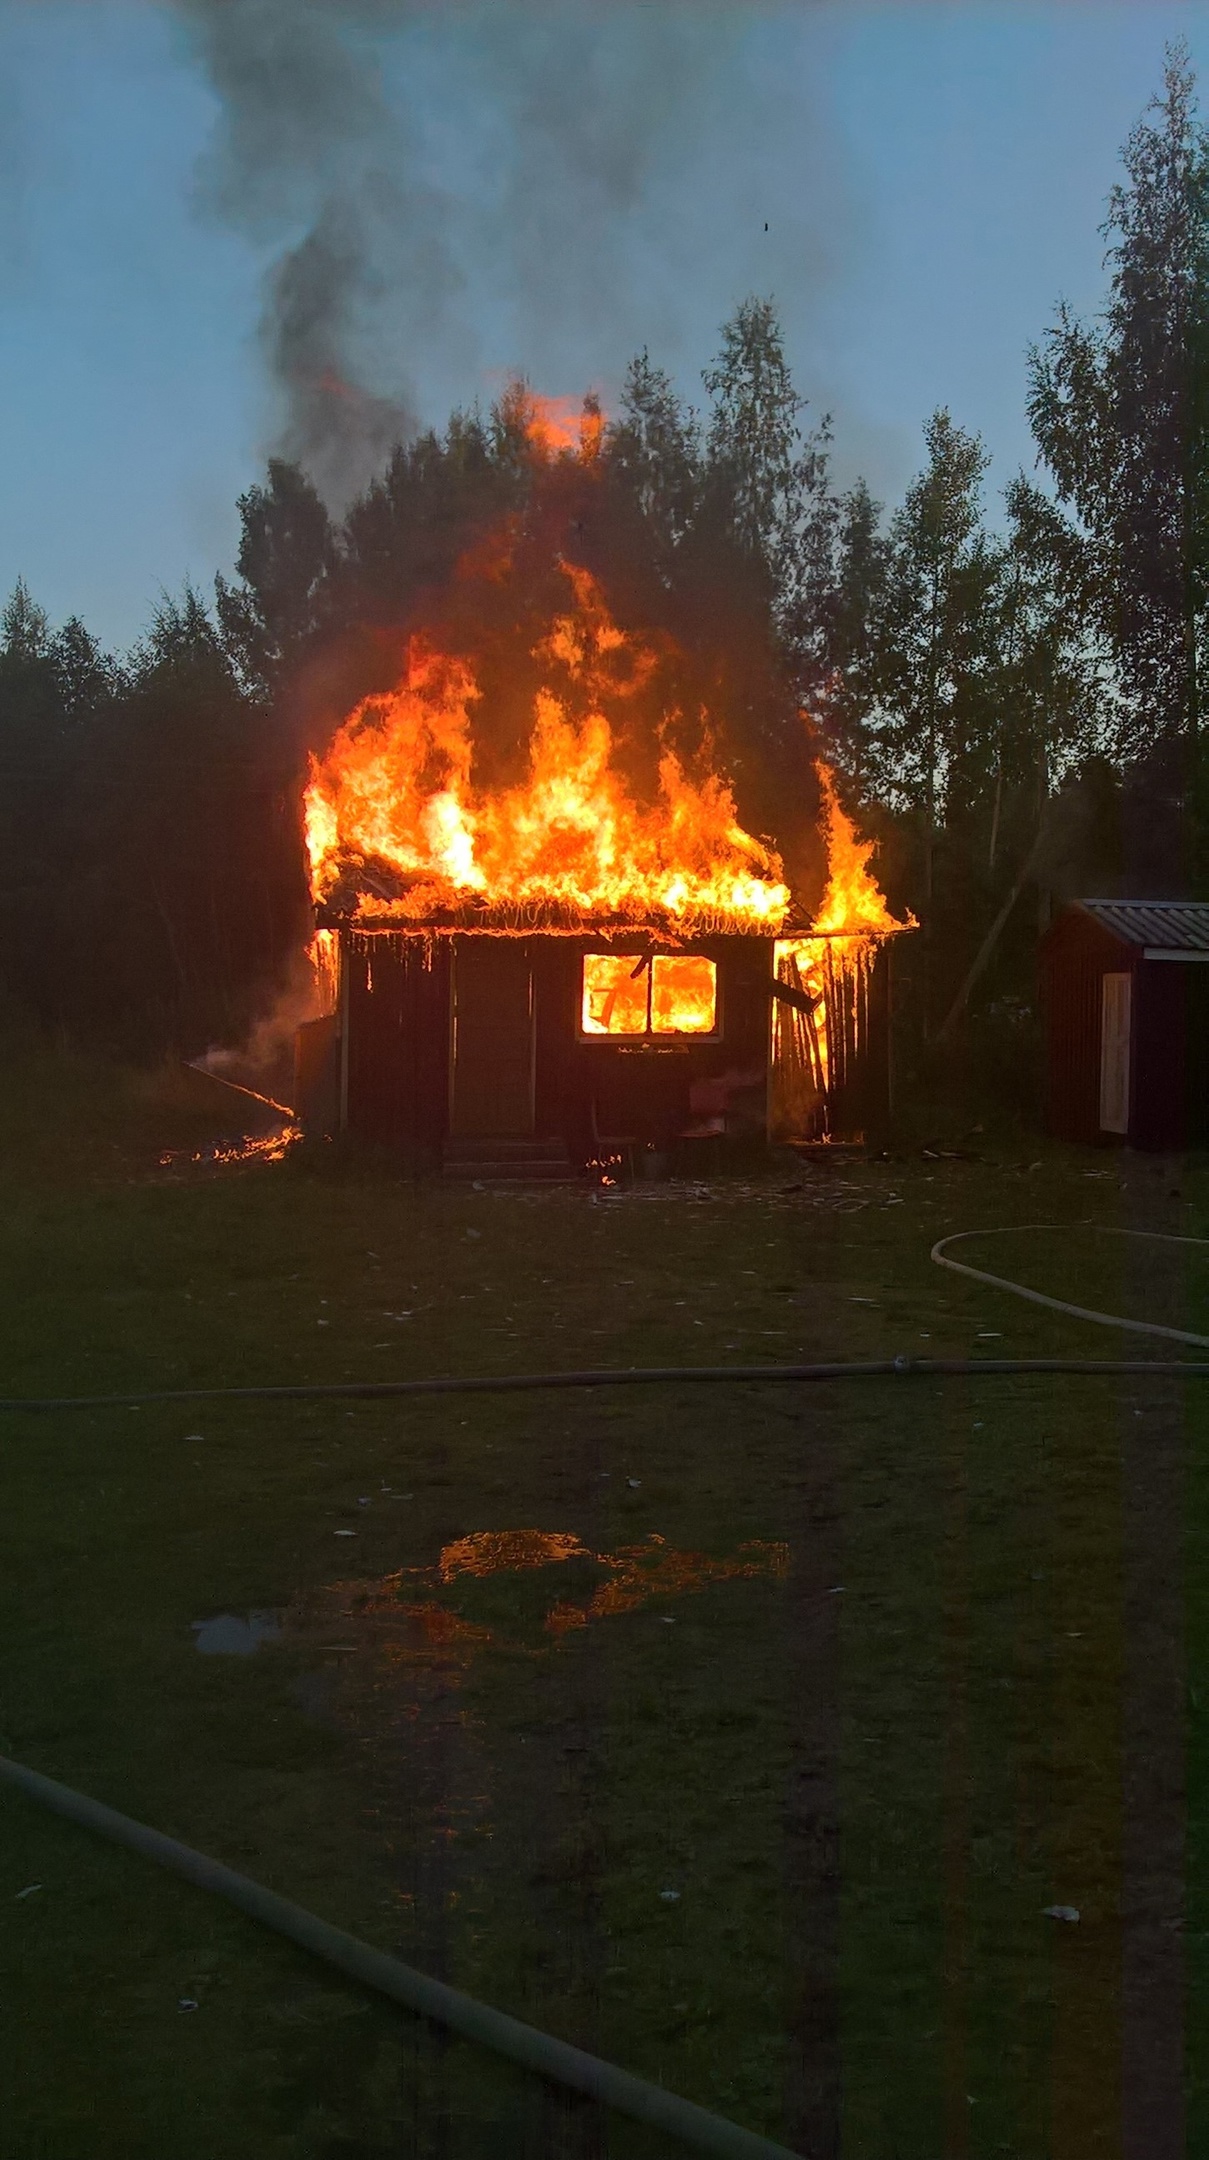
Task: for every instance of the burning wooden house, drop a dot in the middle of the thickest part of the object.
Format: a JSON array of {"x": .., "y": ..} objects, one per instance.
[{"x": 560, "y": 972}]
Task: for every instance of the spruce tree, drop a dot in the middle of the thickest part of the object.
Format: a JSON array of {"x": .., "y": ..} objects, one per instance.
[{"x": 286, "y": 561}]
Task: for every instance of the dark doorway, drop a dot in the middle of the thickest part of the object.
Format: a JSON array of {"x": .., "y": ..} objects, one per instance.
[{"x": 492, "y": 1089}]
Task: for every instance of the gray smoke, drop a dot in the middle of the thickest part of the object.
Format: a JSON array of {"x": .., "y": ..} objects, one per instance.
[
  {"x": 430, "y": 174},
  {"x": 306, "y": 147},
  {"x": 331, "y": 424}
]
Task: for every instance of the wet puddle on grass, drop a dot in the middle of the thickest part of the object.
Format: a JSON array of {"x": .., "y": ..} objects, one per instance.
[
  {"x": 229, "y": 1635},
  {"x": 590, "y": 1586}
]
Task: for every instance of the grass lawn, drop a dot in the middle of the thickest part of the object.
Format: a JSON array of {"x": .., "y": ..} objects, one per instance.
[{"x": 750, "y": 1765}]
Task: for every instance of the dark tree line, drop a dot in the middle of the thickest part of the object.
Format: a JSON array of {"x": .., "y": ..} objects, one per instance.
[
  {"x": 150, "y": 887},
  {"x": 1015, "y": 702}
]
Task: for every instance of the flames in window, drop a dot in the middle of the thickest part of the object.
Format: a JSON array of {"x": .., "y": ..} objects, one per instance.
[{"x": 656, "y": 994}]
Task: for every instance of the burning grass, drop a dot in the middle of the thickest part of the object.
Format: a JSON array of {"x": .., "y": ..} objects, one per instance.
[
  {"x": 796, "y": 1842},
  {"x": 70, "y": 1118}
]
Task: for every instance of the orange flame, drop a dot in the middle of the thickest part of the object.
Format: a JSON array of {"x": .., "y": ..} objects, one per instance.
[
  {"x": 853, "y": 912},
  {"x": 853, "y": 901},
  {"x": 402, "y": 831},
  {"x": 397, "y": 825},
  {"x": 851, "y": 919},
  {"x": 556, "y": 426}
]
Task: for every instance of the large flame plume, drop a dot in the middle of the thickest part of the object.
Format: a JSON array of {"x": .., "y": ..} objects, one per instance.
[
  {"x": 564, "y": 792},
  {"x": 399, "y": 828}
]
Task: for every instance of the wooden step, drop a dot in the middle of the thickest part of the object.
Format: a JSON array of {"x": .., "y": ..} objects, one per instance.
[
  {"x": 512, "y": 1172},
  {"x": 515, "y": 1160},
  {"x": 502, "y": 1147}
]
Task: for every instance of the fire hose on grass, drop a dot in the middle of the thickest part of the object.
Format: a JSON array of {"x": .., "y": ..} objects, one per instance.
[
  {"x": 535, "y": 2051},
  {"x": 1079, "y": 1312},
  {"x": 896, "y": 1368}
]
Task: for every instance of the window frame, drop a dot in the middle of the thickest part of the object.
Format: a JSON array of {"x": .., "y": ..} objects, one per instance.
[{"x": 649, "y": 1039}]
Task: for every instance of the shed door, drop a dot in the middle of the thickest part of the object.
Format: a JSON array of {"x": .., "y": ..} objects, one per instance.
[
  {"x": 492, "y": 1037},
  {"x": 1116, "y": 1011}
]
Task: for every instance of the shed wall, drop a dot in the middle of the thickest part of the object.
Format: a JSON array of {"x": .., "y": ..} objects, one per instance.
[
  {"x": 1076, "y": 956},
  {"x": 1171, "y": 1055},
  {"x": 401, "y": 1080},
  {"x": 398, "y": 1046},
  {"x": 1169, "y": 1066}
]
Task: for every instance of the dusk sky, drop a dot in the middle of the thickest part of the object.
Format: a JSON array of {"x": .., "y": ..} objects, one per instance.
[{"x": 534, "y": 187}]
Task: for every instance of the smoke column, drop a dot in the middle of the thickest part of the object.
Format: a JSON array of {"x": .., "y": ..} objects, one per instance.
[
  {"x": 308, "y": 144},
  {"x": 424, "y": 172}
]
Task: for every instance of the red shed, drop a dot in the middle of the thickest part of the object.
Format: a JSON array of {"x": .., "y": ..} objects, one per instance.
[{"x": 1125, "y": 996}]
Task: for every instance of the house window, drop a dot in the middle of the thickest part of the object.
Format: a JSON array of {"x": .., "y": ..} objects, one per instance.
[{"x": 656, "y": 994}]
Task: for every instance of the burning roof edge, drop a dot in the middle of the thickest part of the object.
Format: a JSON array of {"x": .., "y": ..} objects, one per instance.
[{"x": 546, "y": 922}]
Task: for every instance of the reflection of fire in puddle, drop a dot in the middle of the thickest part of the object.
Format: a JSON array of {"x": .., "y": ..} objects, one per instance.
[
  {"x": 628, "y": 1579},
  {"x": 494, "y": 1552}
]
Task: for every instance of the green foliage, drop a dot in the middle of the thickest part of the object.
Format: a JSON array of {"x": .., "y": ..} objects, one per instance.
[
  {"x": 150, "y": 883},
  {"x": 936, "y": 624},
  {"x": 24, "y": 626},
  {"x": 1120, "y": 410},
  {"x": 402, "y": 539},
  {"x": 655, "y": 451},
  {"x": 755, "y": 435},
  {"x": 286, "y": 559}
]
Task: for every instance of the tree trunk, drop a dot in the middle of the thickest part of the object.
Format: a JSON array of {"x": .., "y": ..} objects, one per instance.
[{"x": 982, "y": 957}]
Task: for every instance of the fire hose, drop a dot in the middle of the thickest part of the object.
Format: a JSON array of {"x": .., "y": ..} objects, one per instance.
[
  {"x": 535, "y": 2051},
  {"x": 523, "y": 2044},
  {"x": 896, "y": 1368},
  {"x": 1079, "y": 1312}
]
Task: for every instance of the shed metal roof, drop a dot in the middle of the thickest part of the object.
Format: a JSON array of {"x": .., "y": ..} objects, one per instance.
[{"x": 1175, "y": 926}]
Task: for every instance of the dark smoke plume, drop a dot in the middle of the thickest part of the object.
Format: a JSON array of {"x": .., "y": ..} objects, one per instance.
[
  {"x": 307, "y": 145},
  {"x": 328, "y": 141},
  {"x": 332, "y": 425}
]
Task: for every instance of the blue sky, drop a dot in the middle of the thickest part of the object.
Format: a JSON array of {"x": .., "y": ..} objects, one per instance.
[{"x": 932, "y": 177}]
